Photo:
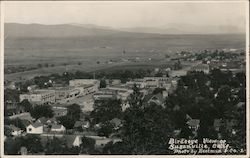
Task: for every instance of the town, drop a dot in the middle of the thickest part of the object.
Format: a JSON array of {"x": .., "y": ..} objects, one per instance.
[{"x": 201, "y": 95}]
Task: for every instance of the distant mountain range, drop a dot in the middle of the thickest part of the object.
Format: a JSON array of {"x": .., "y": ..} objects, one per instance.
[{"x": 77, "y": 30}]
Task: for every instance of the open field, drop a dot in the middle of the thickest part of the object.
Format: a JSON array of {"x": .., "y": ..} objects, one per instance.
[{"x": 94, "y": 53}]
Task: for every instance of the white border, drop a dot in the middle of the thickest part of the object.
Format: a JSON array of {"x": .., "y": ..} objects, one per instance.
[
  {"x": 2, "y": 3},
  {"x": 2, "y": 77}
]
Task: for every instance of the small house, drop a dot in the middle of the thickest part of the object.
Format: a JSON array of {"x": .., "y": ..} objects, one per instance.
[
  {"x": 35, "y": 128},
  {"x": 15, "y": 131},
  {"x": 58, "y": 128}
]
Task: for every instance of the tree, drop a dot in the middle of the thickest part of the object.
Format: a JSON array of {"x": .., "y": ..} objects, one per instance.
[
  {"x": 106, "y": 129},
  {"x": 26, "y": 105},
  {"x": 55, "y": 146},
  {"x": 87, "y": 146},
  {"x": 46, "y": 65},
  {"x": 118, "y": 148},
  {"x": 16, "y": 122},
  {"x": 39, "y": 65},
  {"x": 103, "y": 83},
  {"x": 11, "y": 95},
  {"x": 32, "y": 143},
  {"x": 42, "y": 111},
  {"x": 12, "y": 146},
  {"x": 106, "y": 110},
  {"x": 67, "y": 121},
  {"x": 7, "y": 131},
  {"x": 74, "y": 112},
  {"x": 146, "y": 130}
]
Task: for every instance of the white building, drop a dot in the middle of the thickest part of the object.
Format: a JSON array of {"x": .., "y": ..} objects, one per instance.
[
  {"x": 201, "y": 68},
  {"x": 177, "y": 73},
  {"x": 89, "y": 85},
  {"x": 105, "y": 94},
  {"x": 73, "y": 140},
  {"x": 139, "y": 84},
  {"x": 82, "y": 82},
  {"x": 39, "y": 96},
  {"x": 66, "y": 93},
  {"x": 35, "y": 128},
  {"x": 58, "y": 128}
]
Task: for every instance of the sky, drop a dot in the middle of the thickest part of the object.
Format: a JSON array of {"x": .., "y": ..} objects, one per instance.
[{"x": 127, "y": 14}]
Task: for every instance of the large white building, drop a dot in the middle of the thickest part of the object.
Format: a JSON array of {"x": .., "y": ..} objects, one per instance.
[
  {"x": 39, "y": 96},
  {"x": 88, "y": 85},
  {"x": 82, "y": 82},
  {"x": 66, "y": 93},
  {"x": 105, "y": 94},
  {"x": 156, "y": 82},
  {"x": 121, "y": 91}
]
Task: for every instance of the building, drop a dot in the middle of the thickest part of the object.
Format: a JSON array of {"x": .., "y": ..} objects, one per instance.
[
  {"x": 57, "y": 128},
  {"x": 15, "y": 131},
  {"x": 39, "y": 96},
  {"x": 84, "y": 82},
  {"x": 66, "y": 93},
  {"x": 177, "y": 73},
  {"x": 138, "y": 83},
  {"x": 35, "y": 128},
  {"x": 59, "y": 111},
  {"x": 46, "y": 121},
  {"x": 201, "y": 68},
  {"x": 105, "y": 94},
  {"x": 155, "y": 99},
  {"x": 121, "y": 91},
  {"x": 81, "y": 125},
  {"x": 156, "y": 82},
  {"x": 73, "y": 140}
]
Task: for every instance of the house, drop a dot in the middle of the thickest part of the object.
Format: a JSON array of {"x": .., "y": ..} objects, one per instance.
[
  {"x": 59, "y": 111},
  {"x": 82, "y": 124},
  {"x": 73, "y": 140},
  {"x": 51, "y": 121},
  {"x": 154, "y": 98},
  {"x": 193, "y": 124},
  {"x": 58, "y": 128},
  {"x": 157, "y": 99},
  {"x": 116, "y": 122},
  {"x": 42, "y": 120},
  {"x": 25, "y": 122},
  {"x": 15, "y": 131},
  {"x": 35, "y": 128}
]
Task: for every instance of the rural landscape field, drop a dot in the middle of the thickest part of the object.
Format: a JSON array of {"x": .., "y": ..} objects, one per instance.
[{"x": 91, "y": 48}]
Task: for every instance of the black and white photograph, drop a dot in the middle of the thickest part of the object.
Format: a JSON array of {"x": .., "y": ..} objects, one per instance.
[{"x": 125, "y": 78}]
